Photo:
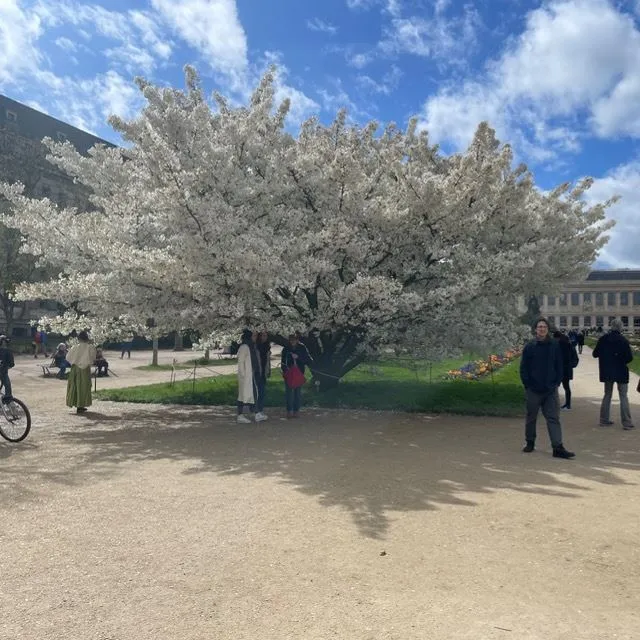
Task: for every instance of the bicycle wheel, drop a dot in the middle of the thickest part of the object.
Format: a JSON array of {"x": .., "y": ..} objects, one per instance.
[{"x": 17, "y": 421}]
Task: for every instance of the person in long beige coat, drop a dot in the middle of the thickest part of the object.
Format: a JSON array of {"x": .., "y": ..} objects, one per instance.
[
  {"x": 248, "y": 371},
  {"x": 81, "y": 358}
]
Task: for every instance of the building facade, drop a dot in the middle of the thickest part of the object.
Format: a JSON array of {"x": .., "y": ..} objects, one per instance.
[
  {"x": 595, "y": 302},
  {"x": 23, "y": 159}
]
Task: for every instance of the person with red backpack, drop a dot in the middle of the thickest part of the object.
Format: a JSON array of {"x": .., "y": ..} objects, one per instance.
[{"x": 295, "y": 357}]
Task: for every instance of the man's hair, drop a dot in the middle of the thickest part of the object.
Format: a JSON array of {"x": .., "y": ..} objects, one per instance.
[
  {"x": 616, "y": 325},
  {"x": 539, "y": 320}
]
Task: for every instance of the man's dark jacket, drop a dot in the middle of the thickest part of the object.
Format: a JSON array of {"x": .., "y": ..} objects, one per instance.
[
  {"x": 614, "y": 354},
  {"x": 541, "y": 366}
]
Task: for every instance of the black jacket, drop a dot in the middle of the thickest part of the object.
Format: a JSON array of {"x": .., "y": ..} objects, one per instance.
[
  {"x": 614, "y": 354},
  {"x": 6, "y": 360},
  {"x": 541, "y": 367},
  {"x": 569, "y": 357},
  {"x": 303, "y": 357}
]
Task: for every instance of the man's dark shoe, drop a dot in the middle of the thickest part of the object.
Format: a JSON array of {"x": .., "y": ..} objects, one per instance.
[
  {"x": 606, "y": 423},
  {"x": 629, "y": 427},
  {"x": 7, "y": 399},
  {"x": 529, "y": 447},
  {"x": 561, "y": 452}
]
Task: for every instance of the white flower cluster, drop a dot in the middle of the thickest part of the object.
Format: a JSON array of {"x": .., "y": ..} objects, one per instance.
[{"x": 215, "y": 218}]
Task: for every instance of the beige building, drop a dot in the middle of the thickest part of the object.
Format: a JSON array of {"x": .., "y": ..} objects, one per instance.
[{"x": 603, "y": 296}]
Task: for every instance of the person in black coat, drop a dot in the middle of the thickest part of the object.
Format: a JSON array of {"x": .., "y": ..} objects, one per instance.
[
  {"x": 614, "y": 354},
  {"x": 569, "y": 361},
  {"x": 294, "y": 354},
  {"x": 580, "y": 341},
  {"x": 541, "y": 372},
  {"x": 6, "y": 363}
]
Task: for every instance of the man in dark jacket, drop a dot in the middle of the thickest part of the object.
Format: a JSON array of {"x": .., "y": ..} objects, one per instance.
[
  {"x": 294, "y": 354},
  {"x": 541, "y": 371},
  {"x": 6, "y": 363},
  {"x": 614, "y": 354}
]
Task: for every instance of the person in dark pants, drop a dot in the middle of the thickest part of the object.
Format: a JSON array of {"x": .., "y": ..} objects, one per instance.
[
  {"x": 541, "y": 372},
  {"x": 263, "y": 347},
  {"x": 569, "y": 361},
  {"x": 6, "y": 362},
  {"x": 614, "y": 354},
  {"x": 294, "y": 354},
  {"x": 580, "y": 341}
]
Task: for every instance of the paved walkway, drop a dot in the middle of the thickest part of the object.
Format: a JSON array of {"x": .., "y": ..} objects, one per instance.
[{"x": 148, "y": 522}]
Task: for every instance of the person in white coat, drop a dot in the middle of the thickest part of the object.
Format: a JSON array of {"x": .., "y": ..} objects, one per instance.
[{"x": 248, "y": 373}]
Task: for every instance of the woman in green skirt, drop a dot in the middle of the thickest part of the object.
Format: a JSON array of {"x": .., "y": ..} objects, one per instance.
[{"x": 81, "y": 357}]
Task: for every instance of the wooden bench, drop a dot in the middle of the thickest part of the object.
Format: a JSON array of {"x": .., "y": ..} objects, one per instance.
[{"x": 47, "y": 369}]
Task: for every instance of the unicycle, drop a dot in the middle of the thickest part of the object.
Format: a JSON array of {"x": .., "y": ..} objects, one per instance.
[{"x": 15, "y": 419}]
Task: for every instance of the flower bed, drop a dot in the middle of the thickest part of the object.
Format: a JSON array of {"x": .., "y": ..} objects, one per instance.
[{"x": 479, "y": 368}]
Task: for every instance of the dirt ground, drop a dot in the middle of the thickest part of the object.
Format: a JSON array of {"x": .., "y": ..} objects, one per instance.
[{"x": 141, "y": 522}]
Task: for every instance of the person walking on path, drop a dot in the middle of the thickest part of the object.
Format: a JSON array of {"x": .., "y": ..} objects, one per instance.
[
  {"x": 264, "y": 352},
  {"x": 569, "y": 362},
  {"x": 580, "y": 341},
  {"x": 541, "y": 372},
  {"x": 614, "y": 354},
  {"x": 295, "y": 354},
  {"x": 248, "y": 374},
  {"x": 81, "y": 358}
]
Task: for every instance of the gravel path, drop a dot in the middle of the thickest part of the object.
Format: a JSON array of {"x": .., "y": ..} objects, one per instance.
[{"x": 141, "y": 522}]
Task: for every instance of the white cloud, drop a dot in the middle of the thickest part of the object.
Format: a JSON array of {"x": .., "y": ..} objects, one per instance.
[
  {"x": 19, "y": 33},
  {"x": 213, "y": 28},
  {"x": 574, "y": 56},
  {"x": 388, "y": 84},
  {"x": 66, "y": 45},
  {"x": 624, "y": 181},
  {"x": 393, "y": 7},
  {"x": 316, "y": 24},
  {"x": 134, "y": 59},
  {"x": 436, "y": 36},
  {"x": 359, "y": 60}
]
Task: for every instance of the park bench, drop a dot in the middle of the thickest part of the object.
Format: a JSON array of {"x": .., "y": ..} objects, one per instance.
[
  {"x": 47, "y": 369},
  {"x": 225, "y": 353}
]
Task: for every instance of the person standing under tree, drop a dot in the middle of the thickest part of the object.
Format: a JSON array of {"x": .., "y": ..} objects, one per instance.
[
  {"x": 580, "y": 341},
  {"x": 541, "y": 372},
  {"x": 248, "y": 375},
  {"x": 614, "y": 354},
  {"x": 81, "y": 357},
  {"x": 294, "y": 354},
  {"x": 264, "y": 352}
]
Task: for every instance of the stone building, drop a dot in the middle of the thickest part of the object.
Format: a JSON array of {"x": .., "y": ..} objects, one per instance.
[
  {"x": 595, "y": 302},
  {"x": 22, "y": 159}
]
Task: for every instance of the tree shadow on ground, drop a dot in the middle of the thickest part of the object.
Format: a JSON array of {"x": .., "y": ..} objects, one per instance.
[{"x": 371, "y": 464}]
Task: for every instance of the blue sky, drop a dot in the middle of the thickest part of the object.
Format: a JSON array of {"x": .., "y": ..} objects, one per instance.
[{"x": 559, "y": 80}]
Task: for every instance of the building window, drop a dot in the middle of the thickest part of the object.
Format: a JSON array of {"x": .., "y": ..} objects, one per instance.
[
  {"x": 624, "y": 298},
  {"x": 636, "y": 322},
  {"x": 636, "y": 298},
  {"x": 563, "y": 321},
  {"x": 625, "y": 321},
  {"x": 551, "y": 301},
  {"x": 575, "y": 321},
  {"x": 586, "y": 298},
  {"x": 587, "y": 321},
  {"x": 611, "y": 299},
  {"x": 599, "y": 321},
  {"x": 563, "y": 299},
  {"x": 12, "y": 116},
  {"x": 611, "y": 319},
  {"x": 552, "y": 321},
  {"x": 61, "y": 137},
  {"x": 599, "y": 299},
  {"x": 575, "y": 299}
]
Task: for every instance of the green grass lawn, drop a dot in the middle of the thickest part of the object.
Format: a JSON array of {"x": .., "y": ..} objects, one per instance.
[
  {"x": 201, "y": 362},
  {"x": 385, "y": 385}
]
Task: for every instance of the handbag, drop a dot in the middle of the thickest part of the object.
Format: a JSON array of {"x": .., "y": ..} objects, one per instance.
[{"x": 294, "y": 377}]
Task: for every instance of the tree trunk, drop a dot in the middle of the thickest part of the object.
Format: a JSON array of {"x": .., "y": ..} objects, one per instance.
[
  {"x": 179, "y": 343},
  {"x": 207, "y": 354},
  {"x": 154, "y": 360}
]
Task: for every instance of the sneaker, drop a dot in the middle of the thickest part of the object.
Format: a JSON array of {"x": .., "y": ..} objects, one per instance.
[
  {"x": 565, "y": 408},
  {"x": 606, "y": 423},
  {"x": 561, "y": 452},
  {"x": 629, "y": 427},
  {"x": 242, "y": 419},
  {"x": 261, "y": 417},
  {"x": 529, "y": 447}
]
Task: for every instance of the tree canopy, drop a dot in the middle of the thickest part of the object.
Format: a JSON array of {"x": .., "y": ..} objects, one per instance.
[{"x": 214, "y": 216}]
